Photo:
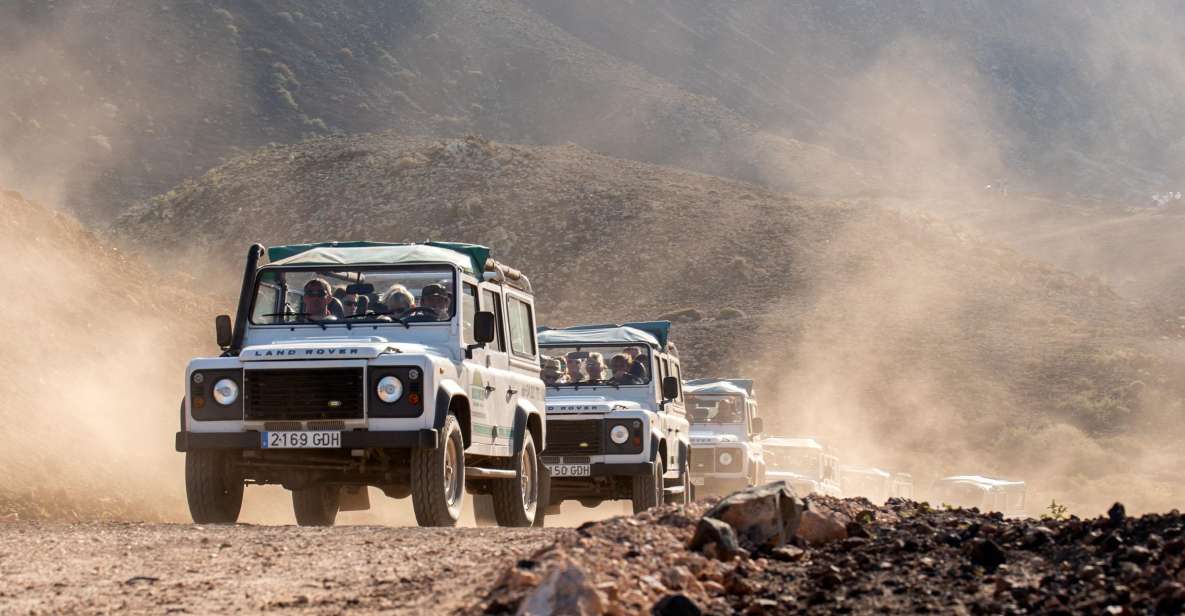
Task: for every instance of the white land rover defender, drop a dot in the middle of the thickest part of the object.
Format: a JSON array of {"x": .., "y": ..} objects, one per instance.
[
  {"x": 421, "y": 380},
  {"x": 725, "y": 431},
  {"x": 615, "y": 420},
  {"x": 804, "y": 464}
]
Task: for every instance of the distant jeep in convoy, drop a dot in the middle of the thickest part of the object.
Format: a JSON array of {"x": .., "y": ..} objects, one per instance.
[
  {"x": 803, "y": 463},
  {"x": 616, "y": 427},
  {"x": 412, "y": 368},
  {"x": 726, "y": 451},
  {"x": 983, "y": 493}
]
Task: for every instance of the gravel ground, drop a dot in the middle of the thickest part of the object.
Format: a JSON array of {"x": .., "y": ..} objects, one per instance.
[{"x": 174, "y": 568}]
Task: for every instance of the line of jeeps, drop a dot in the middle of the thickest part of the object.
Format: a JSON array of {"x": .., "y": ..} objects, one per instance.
[{"x": 420, "y": 370}]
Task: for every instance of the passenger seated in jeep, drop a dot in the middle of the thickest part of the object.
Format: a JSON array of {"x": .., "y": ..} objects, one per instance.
[
  {"x": 315, "y": 305},
  {"x": 398, "y": 300},
  {"x": 349, "y": 304},
  {"x": 553, "y": 372},
  {"x": 436, "y": 298},
  {"x": 575, "y": 367},
  {"x": 636, "y": 367},
  {"x": 620, "y": 365},
  {"x": 595, "y": 366}
]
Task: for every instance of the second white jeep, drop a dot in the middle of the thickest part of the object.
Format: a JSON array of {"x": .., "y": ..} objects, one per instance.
[{"x": 616, "y": 427}]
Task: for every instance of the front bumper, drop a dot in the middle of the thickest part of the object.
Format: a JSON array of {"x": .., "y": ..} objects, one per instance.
[
  {"x": 632, "y": 469},
  {"x": 351, "y": 439}
]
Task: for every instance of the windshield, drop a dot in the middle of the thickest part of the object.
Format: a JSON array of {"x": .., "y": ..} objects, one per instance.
[
  {"x": 363, "y": 294},
  {"x": 801, "y": 460},
  {"x": 716, "y": 409},
  {"x": 596, "y": 365}
]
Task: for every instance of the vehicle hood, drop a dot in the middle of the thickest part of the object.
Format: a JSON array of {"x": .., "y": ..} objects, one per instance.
[
  {"x": 712, "y": 438},
  {"x": 322, "y": 348},
  {"x": 789, "y": 476},
  {"x": 589, "y": 404}
]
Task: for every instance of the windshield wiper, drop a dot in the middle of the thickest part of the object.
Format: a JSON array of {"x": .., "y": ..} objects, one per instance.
[
  {"x": 400, "y": 320},
  {"x": 307, "y": 316}
]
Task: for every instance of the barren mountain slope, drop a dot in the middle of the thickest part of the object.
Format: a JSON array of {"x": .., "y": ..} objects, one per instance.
[
  {"x": 905, "y": 340},
  {"x": 83, "y": 107},
  {"x": 91, "y": 374}
]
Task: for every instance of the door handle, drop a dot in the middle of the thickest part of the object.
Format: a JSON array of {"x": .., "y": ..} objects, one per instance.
[
  {"x": 511, "y": 391},
  {"x": 490, "y": 388}
]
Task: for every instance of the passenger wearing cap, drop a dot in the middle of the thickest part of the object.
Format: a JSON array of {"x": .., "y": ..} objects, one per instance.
[
  {"x": 620, "y": 365},
  {"x": 553, "y": 372},
  {"x": 575, "y": 367},
  {"x": 435, "y": 297}
]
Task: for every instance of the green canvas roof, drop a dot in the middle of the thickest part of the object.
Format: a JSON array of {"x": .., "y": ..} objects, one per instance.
[{"x": 469, "y": 257}]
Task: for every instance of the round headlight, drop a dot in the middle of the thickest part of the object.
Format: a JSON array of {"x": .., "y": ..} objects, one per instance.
[
  {"x": 619, "y": 434},
  {"x": 726, "y": 458},
  {"x": 226, "y": 391},
  {"x": 389, "y": 389}
]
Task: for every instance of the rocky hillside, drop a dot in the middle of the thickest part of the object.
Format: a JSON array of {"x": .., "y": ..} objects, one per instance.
[
  {"x": 907, "y": 341},
  {"x": 91, "y": 374},
  {"x": 818, "y": 96}
]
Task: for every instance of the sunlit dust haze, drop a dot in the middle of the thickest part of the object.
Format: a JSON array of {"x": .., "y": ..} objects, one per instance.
[{"x": 945, "y": 238}]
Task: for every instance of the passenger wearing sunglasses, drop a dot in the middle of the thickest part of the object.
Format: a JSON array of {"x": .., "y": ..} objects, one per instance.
[{"x": 349, "y": 304}]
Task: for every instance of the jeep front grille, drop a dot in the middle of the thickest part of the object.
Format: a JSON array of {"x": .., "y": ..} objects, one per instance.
[
  {"x": 295, "y": 395},
  {"x": 703, "y": 460},
  {"x": 573, "y": 437}
]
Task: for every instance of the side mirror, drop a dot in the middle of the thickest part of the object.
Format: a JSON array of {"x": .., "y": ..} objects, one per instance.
[
  {"x": 484, "y": 327},
  {"x": 758, "y": 425},
  {"x": 223, "y": 331},
  {"x": 670, "y": 388}
]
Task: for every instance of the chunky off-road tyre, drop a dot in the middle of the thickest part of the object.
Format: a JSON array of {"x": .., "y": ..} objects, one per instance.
[
  {"x": 683, "y": 480},
  {"x": 648, "y": 490},
  {"x": 438, "y": 478},
  {"x": 213, "y": 487},
  {"x": 516, "y": 502},
  {"x": 544, "y": 496},
  {"x": 317, "y": 505},
  {"x": 483, "y": 509}
]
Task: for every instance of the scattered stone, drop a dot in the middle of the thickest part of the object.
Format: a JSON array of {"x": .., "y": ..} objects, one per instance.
[
  {"x": 819, "y": 527},
  {"x": 764, "y": 517},
  {"x": 566, "y": 590},
  {"x": 1117, "y": 514},
  {"x": 987, "y": 554},
  {"x": 675, "y": 605},
  {"x": 715, "y": 539}
]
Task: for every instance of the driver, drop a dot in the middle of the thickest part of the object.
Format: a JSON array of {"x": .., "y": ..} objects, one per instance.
[
  {"x": 435, "y": 297},
  {"x": 315, "y": 303},
  {"x": 620, "y": 365}
]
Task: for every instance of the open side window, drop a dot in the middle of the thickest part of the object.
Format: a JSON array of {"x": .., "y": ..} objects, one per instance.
[{"x": 492, "y": 302}]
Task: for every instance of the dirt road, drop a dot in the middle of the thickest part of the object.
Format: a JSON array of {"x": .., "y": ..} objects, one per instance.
[{"x": 178, "y": 568}]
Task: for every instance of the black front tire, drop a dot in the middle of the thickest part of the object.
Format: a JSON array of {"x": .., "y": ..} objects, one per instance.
[
  {"x": 316, "y": 506},
  {"x": 516, "y": 502},
  {"x": 213, "y": 486},
  {"x": 648, "y": 490},
  {"x": 438, "y": 478}
]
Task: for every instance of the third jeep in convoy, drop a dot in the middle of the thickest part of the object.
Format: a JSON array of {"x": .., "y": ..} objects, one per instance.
[
  {"x": 804, "y": 464},
  {"x": 422, "y": 380},
  {"x": 616, "y": 427},
  {"x": 725, "y": 446}
]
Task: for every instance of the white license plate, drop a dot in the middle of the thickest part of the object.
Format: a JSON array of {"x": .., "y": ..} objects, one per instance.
[
  {"x": 697, "y": 481},
  {"x": 322, "y": 439},
  {"x": 569, "y": 470}
]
